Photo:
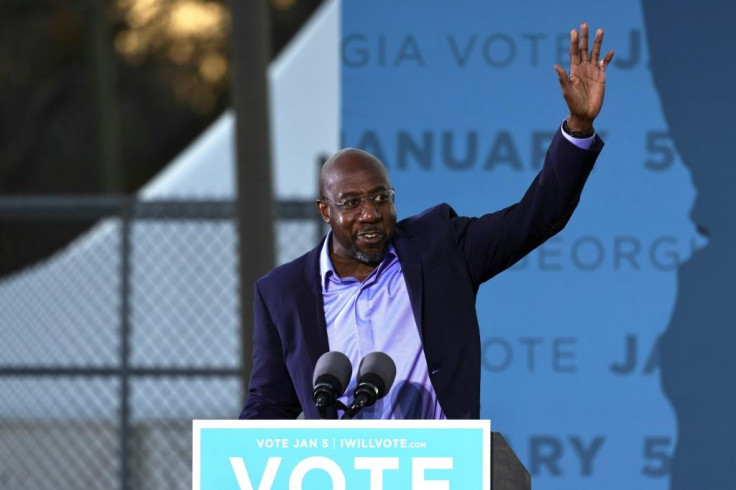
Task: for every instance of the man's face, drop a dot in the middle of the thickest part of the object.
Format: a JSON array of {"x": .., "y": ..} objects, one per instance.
[{"x": 363, "y": 232}]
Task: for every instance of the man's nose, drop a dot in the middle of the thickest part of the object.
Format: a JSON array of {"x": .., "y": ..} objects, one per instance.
[{"x": 369, "y": 211}]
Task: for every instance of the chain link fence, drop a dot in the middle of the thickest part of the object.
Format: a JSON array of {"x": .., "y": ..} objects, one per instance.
[{"x": 111, "y": 346}]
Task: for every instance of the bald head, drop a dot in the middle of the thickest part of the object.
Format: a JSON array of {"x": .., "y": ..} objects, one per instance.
[{"x": 346, "y": 163}]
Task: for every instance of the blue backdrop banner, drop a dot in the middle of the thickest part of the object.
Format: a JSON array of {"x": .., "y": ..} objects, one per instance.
[{"x": 460, "y": 100}]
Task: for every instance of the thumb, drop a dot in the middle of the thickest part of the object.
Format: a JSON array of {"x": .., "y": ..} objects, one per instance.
[{"x": 562, "y": 76}]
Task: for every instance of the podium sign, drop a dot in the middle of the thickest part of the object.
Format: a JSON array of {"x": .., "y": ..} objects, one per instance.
[{"x": 340, "y": 454}]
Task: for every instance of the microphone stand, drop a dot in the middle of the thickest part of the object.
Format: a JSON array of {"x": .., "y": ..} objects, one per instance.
[
  {"x": 323, "y": 405},
  {"x": 365, "y": 396}
]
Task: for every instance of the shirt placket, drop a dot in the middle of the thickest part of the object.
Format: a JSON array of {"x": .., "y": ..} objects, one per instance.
[{"x": 364, "y": 317}]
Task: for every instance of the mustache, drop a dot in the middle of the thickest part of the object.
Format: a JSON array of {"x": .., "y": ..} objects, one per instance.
[{"x": 377, "y": 231}]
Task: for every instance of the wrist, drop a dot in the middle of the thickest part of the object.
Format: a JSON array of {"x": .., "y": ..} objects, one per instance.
[
  {"x": 578, "y": 130},
  {"x": 579, "y": 124}
]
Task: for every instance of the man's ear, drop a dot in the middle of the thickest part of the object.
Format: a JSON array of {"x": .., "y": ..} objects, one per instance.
[{"x": 324, "y": 210}]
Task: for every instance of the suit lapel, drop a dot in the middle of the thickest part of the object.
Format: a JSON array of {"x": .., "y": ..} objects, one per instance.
[
  {"x": 410, "y": 257},
  {"x": 311, "y": 309}
]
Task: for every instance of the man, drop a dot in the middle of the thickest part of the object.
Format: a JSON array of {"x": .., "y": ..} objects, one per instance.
[{"x": 409, "y": 288}]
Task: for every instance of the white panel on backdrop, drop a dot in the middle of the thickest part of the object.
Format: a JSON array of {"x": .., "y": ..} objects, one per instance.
[{"x": 304, "y": 84}]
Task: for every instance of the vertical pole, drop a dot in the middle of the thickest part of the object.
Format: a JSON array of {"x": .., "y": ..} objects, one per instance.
[
  {"x": 106, "y": 98},
  {"x": 250, "y": 48},
  {"x": 125, "y": 266}
]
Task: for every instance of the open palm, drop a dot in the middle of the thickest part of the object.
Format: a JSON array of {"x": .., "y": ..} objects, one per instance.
[{"x": 585, "y": 86}]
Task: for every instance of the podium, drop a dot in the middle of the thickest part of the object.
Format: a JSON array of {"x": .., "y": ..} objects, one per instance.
[
  {"x": 508, "y": 472},
  {"x": 354, "y": 455}
]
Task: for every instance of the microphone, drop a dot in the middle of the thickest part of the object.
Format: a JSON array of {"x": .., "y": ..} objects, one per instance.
[
  {"x": 376, "y": 374},
  {"x": 331, "y": 377}
]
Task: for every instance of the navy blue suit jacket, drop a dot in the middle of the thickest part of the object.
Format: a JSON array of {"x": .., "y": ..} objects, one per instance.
[{"x": 444, "y": 258}]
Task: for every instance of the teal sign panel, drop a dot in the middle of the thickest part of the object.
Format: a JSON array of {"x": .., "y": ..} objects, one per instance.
[{"x": 324, "y": 455}]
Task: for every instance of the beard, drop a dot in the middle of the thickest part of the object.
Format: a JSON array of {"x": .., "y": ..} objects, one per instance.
[{"x": 370, "y": 257}]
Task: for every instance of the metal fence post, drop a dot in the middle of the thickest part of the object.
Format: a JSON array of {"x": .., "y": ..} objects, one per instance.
[{"x": 126, "y": 211}]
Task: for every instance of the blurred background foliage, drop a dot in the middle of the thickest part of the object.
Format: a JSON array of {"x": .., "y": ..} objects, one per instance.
[{"x": 97, "y": 96}]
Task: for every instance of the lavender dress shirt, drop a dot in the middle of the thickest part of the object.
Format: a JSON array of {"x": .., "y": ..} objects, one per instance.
[{"x": 376, "y": 315}]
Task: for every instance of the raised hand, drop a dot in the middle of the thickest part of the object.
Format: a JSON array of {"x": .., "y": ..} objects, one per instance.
[{"x": 585, "y": 86}]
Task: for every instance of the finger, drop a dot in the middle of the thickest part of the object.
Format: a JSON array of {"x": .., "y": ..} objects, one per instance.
[
  {"x": 584, "y": 41},
  {"x": 605, "y": 61},
  {"x": 562, "y": 76},
  {"x": 596, "y": 46},
  {"x": 574, "y": 51}
]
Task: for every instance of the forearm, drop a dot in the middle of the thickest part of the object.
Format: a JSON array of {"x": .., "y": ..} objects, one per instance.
[{"x": 496, "y": 241}]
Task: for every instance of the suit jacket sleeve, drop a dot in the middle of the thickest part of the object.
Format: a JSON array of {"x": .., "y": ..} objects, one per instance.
[
  {"x": 271, "y": 390},
  {"x": 496, "y": 241}
]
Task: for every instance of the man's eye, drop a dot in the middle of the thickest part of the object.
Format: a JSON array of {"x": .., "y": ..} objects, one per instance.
[
  {"x": 380, "y": 197},
  {"x": 351, "y": 203}
]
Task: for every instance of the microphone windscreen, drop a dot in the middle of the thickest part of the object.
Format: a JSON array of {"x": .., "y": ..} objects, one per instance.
[
  {"x": 377, "y": 365},
  {"x": 334, "y": 368}
]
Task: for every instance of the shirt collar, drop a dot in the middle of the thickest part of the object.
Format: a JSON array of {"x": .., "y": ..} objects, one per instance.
[{"x": 326, "y": 269}]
